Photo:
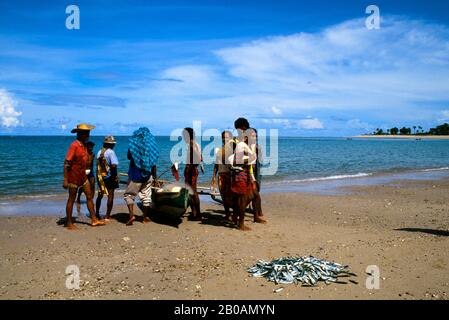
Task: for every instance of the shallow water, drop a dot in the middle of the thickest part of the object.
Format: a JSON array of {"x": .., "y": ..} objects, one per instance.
[{"x": 33, "y": 166}]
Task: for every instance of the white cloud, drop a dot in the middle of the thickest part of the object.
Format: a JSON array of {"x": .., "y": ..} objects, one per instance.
[
  {"x": 344, "y": 68},
  {"x": 310, "y": 124},
  {"x": 399, "y": 73},
  {"x": 444, "y": 115},
  {"x": 305, "y": 124},
  {"x": 358, "y": 124},
  {"x": 282, "y": 122},
  {"x": 189, "y": 73},
  {"x": 347, "y": 66},
  {"x": 276, "y": 110},
  {"x": 8, "y": 115}
]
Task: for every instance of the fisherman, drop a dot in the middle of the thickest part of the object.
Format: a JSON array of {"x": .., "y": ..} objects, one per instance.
[
  {"x": 222, "y": 167},
  {"x": 242, "y": 183},
  {"x": 89, "y": 173},
  {"x": 75, "y": 166},
  {"x": 194, "y": 158},
  {"x": 107, "y": 176},
  {"x": 143, "y": 154}
]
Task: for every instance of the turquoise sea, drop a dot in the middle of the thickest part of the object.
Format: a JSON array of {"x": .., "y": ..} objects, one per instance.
[{"x": 33, "y": 166}]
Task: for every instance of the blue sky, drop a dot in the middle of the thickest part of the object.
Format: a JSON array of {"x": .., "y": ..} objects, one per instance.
[{"x": 307, "y": 68}]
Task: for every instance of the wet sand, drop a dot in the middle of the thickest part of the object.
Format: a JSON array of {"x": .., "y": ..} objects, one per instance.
[{"x": 402, "y": 227}]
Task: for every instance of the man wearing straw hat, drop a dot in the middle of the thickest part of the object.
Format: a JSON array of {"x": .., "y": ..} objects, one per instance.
[
  {"x": 75, "y": 177},
  {"x": 107, "y": 177}
]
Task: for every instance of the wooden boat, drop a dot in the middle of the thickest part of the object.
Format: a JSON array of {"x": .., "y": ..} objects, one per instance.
[{"x": 173, "y": 203}]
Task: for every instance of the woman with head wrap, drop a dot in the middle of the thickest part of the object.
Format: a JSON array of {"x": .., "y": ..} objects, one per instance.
[{"x": 143, "y": 154}]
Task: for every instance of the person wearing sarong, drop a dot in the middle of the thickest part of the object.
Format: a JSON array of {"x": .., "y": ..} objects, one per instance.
[
  {"x": 143, "y": 154},
  {"x": 107, "y": 176},
  {"x": 194, "y": 158},
  {"x": 243, "y": 188},
  {"x": 256, "y": 176},
  {"x": 75, "y": 177},
  {"x": 222, "y": 168}
]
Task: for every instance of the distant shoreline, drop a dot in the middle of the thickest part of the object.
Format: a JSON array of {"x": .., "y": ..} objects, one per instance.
[{"x": 397, "y": 136}]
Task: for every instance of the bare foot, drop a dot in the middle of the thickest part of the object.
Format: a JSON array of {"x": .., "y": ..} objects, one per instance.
[
  {"x": 130, "y": 221},
  {"x": 260, "y": 220},
  {"x": 244, "y": 228},
  {"x": 97, "y": 223},
  {"x": 71, "y": 226},
  {"x": 146, "y": 220},
  {"x": 195, "y": 218}
]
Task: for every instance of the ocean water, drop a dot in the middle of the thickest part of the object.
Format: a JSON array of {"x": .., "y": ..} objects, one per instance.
[{"x": 33, "y": 166}]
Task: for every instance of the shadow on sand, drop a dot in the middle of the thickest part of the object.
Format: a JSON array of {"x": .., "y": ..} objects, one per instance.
[
  {"x": 62, "y": 221},
  {"x": 172, "y": 221},
  {"x": 441, "y": 233},
  {"x": 216, "y": 218}
]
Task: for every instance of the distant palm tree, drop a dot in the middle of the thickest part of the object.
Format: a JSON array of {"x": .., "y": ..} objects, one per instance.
[{"x": 414, "y": 129}]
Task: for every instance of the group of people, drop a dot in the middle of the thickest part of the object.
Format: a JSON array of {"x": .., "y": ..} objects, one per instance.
[
  {"x": 237, "y": 164},
  {"x": 79, "y": 174}
]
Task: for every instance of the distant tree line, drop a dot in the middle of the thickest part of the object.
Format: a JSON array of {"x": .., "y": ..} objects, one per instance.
[{"x": 417, "y": 130}]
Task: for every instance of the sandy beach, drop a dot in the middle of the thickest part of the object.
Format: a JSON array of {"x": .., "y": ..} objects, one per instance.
[{"x": 402, "y": 227}]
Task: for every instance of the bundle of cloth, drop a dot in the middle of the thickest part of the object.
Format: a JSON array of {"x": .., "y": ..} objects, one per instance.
[{"x": 144, "y": 149}]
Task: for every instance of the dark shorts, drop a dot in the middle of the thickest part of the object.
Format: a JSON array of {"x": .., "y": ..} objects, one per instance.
[
  {"x": 191, "y": 175},
  {"x": 111, "y": 183}
]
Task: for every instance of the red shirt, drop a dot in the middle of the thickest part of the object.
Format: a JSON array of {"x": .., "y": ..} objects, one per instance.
[{"x": 77, "y": 156}]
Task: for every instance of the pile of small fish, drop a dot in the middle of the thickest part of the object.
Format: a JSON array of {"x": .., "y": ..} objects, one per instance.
[{"x": 305, "y": 270}]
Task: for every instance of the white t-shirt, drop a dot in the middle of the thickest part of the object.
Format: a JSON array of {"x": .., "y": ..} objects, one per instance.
[
  {"x": 241, "y": 158},
  {"x": 110, "y": 157}
]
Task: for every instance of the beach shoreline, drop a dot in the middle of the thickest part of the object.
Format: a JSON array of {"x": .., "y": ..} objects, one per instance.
[
  {"x": 400, "y": 227},
  {"x": 54, "y": 204},
  {"x": 397, "y": 136}
]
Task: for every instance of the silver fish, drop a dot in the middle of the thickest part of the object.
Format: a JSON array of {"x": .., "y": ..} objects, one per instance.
[{"x": 306, "y": 270}]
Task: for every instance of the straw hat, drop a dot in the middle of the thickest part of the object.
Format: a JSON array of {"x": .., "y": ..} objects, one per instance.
[
  {"x": 109, "y": 140},
  {"x": 82, "y": 127}
]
